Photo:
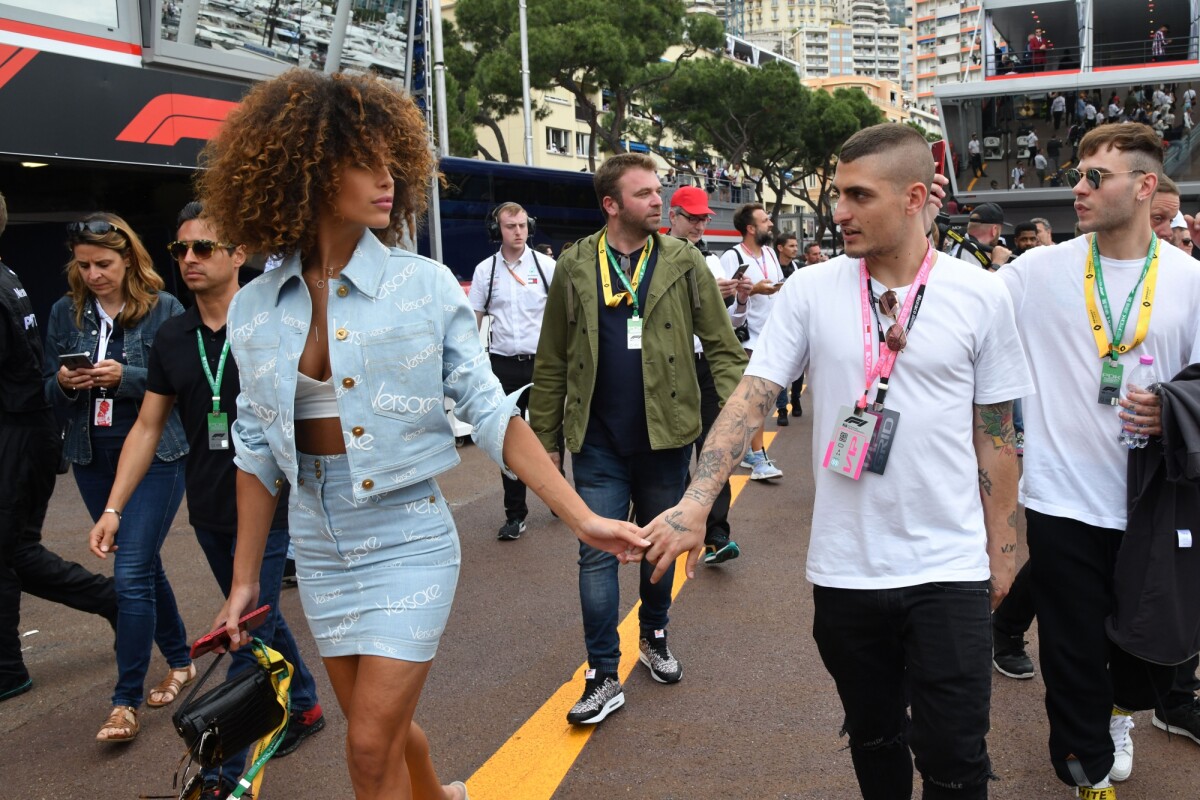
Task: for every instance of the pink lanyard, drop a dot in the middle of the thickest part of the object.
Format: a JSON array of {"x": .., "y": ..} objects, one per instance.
[
  {"x": 761, "y": 261},
  {"x": 882, "y": 367}
]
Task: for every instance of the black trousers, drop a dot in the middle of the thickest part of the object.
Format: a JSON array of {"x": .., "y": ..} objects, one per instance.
[
  {"x": 928, "y": 646},
  {"x": 29, "y": 453},
  {"x": 514, "y": 372},
  {"x": 717, "y": 529},
  {"x": 1016, "y": 612},
  {"x": 1085, "y": 673}
]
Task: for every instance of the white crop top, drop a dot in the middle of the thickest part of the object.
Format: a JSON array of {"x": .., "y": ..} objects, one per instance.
[{"x": 314, "y": 399}]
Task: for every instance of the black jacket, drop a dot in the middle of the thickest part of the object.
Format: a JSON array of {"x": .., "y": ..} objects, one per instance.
[{"x": 1156, "y": 585}]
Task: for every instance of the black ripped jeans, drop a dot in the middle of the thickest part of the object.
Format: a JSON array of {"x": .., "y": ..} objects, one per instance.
[{"x": 928, "y": 646}]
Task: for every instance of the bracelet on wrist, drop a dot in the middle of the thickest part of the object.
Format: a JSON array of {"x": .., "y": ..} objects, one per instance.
[{"x": 113, "y": 511}]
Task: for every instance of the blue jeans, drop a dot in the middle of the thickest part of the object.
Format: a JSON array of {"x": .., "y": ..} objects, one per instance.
[
  {"x": 219, "y": 548},
  {"x": 609, "y": 483},
  {"x": 928, "y": 646},
  {"x": 146, "y": 610}
]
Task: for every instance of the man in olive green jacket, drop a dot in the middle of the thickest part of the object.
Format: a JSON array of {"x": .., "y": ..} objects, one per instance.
[{"x": 616, "y": 373}]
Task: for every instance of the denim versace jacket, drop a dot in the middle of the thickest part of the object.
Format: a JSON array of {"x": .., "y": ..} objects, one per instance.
[
  {"x": 401, "y": 337},
  {"x": 72, "y": 408}
]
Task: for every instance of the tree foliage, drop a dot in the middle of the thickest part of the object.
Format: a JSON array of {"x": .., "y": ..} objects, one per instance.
[
  {"x": 766, "y": 120},
  {"x": 584, "y": 46}
]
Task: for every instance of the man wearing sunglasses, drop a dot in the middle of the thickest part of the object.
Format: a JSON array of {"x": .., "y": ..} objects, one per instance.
[
  {"x": 1142, "y": 297},
  {"x": 909, "y": 553},
  {"x": 189, "y": 367}
]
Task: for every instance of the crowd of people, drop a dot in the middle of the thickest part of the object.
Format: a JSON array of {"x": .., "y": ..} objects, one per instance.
[{"x": 632, "y": 348}]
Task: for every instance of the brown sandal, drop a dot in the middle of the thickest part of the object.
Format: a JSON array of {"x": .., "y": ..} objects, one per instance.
[
  {"x": 122, "y": 722},
  {"x": 171, "y": 685}
]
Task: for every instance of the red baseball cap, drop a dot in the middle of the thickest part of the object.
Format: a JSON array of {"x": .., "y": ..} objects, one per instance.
[{"x": 691, "y": 199}]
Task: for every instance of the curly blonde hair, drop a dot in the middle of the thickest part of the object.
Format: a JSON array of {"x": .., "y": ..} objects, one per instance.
[
  {"x": 275, "y": 165},
  {"x": 142, "y": 284}
]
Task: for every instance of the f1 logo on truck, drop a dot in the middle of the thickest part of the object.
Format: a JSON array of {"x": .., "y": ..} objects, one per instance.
[{"x": 168, "y": 118}]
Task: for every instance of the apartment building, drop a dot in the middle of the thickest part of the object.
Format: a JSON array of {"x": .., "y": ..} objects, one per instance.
[{"x": 948, "y": 45}]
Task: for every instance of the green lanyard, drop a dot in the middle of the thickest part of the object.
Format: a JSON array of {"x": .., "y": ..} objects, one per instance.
[
  {"x": 214, "y": 383},
  {"x": 640, "y": 273},
  {"x": 1118, "y": 331}
]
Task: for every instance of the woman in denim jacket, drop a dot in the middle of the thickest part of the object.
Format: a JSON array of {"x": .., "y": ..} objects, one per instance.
[
  {"x": 345, "y": 353},
  {"x": 111, "y": 313}
]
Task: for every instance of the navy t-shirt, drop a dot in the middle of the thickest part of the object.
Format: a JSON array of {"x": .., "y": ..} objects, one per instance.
[{"x": 618, "y": 417}]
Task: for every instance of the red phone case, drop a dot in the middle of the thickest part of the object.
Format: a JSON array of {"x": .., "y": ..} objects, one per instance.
[{"x": 220, "y": 638}]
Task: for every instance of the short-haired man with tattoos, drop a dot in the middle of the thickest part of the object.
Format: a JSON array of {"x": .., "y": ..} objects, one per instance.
[{"x": 914, "y": 359}]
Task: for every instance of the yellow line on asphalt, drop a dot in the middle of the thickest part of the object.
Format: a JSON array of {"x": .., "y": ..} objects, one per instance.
[{"x": 536, "y": 759}]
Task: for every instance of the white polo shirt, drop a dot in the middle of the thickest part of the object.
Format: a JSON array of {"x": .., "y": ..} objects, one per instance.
[{"x": 518, "y": 300}]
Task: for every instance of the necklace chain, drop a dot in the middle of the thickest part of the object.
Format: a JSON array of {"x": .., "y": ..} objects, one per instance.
[{"x": 323, "y": 282}]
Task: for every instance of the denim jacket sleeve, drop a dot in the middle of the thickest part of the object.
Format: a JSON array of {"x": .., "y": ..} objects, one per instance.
[
  {"x": 59, "y": 332},
  {"x": 133, "y": 377},
  {"x": 467, "y": 375},
  {"x": 252, "y": 450}
]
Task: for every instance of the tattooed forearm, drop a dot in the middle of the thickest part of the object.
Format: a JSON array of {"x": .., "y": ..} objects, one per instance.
[
  {"x": 742, "y": 415},
  {"x": 996, "y": 422},
  {"x": 985, "y": 482},
  {"x": 1012, "y": 519},
  {"x": 1009, "y": 548}
]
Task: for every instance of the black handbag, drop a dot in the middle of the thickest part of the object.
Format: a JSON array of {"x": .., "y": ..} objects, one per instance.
[{"x": 231, "y": 717}]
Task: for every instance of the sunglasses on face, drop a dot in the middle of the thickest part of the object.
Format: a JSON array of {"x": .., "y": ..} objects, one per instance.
[
  {"x": 896, "y": 337},
  {"x": 1094, "y": 176},
  {"x": 203, "y": 248}
]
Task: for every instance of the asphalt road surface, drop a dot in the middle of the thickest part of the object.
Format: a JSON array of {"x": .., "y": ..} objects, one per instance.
[{"x": 756, "y": 715}]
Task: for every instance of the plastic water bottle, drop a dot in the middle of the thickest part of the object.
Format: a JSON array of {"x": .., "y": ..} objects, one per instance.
[{"x": 1140, "y": 379}]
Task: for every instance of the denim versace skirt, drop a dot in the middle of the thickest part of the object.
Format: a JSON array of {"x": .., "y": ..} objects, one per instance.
[{"x": 376, "y": 576}]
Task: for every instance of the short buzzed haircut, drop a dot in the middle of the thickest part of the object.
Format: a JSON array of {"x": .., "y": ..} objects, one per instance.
[
  {"x": 910, "y": 160},
  {"x": 1024, "y": 227},
  {"x": 743, "y": 218},
  {"x": 1132, "y": 138},
  {"x": 3, "y": 214},
  {"x": 608, "y": 176},
  {"x": 1167, "y": 186}
]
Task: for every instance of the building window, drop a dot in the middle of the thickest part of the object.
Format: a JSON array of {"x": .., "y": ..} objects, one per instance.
[
  {"x": 557, "y": 140},
  {"x": 582, "y": 142}
]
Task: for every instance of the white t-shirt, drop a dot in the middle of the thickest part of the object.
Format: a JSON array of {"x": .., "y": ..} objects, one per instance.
[
  {"x": 1059, "y": 104},
  {"x": 735, "y": 317},
  {"x": 1039, "y": 161},
  {"x": 764, "y": 268},
  {"x": 1074, "y": 464},
  {"x": 922, "y": 520},
  {"x": 518, "y": 300},
  {"x": 973, "y": 147}
]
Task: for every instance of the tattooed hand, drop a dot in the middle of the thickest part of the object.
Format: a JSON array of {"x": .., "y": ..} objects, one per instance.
[{"x": 671, "y": 533}]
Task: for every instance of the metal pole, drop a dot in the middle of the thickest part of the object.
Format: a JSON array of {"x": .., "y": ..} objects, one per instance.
[
  {"x": 187, "y": 22},
  {"x": 414, "y": 9},
  {"x": 525, "y": 101},
  {"x": 439, "y": 79},
  {"x": 433, "y": 11},
  {"x": 333, "y": 59}
]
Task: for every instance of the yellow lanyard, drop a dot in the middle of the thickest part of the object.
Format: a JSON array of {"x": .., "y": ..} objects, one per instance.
[
  {"x": 1149, "y": 278},
  {"x": 604, "y": 257}
]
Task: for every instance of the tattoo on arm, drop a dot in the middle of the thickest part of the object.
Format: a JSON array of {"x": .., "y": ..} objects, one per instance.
[
  {"x": 1009, "y": 548},
  {"x": 1012, "y": 519},
  {"x": 996, "y": 421},
  {"x": 985, "y": 482},
  {"x": 743, "y": 414},
  {"x": 672, "y": 519}
]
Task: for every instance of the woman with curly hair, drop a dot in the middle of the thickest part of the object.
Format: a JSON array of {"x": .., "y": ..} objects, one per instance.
[
  {"x": 346, "y": 353},
  {"x": 111, "y": 313}
]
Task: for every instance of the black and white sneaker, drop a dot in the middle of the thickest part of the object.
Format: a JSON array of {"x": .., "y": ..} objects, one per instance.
[
  {"x": 511, "y": 530},
  {"x": 1183, "y": 720},
  {"x": 602, "y": 695},
  {"x": 654, "y": 653}
]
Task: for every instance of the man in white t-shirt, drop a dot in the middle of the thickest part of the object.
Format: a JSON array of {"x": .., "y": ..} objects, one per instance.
[
  {"x": 509, "y": 287},
  {"x": 755, "y": 258},
  {"x": 900, "y": 561},
  {"x": 1074, "y": 483},
  {"x": 975, "y": 156},
  {"x": 689, "y": 215}
]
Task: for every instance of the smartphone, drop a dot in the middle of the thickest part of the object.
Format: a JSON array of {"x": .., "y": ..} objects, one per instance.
[
  {"x": 220, "y": 637},
  {"x": 737, "y": 275},
  {"x": 76, "y": 360}
]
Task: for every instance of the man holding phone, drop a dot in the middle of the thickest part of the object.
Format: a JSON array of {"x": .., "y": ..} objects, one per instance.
[
  {"x": 189, "y": 366},
  {"x": 30, "y": 444}
]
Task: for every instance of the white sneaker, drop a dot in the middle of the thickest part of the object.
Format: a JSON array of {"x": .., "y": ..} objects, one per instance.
[
  {"x": 752, "y": 459},
  {"x": 764, "y": 470},
  {"x": 1119, "y": 726}
]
